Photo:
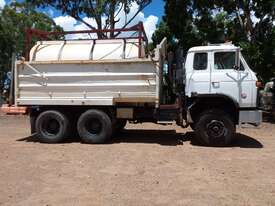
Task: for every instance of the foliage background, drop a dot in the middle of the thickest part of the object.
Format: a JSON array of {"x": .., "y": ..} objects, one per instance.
[
  {"x": 187, "y": 23},
  {"x": 247, "y": 23},
  {"x": 14, "y": 19}
]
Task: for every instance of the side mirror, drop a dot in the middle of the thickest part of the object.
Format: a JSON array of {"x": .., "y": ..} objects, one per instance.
[{"x": 237, "y": 68}]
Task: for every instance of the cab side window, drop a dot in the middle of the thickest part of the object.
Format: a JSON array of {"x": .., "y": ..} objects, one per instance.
[
  {"x": 200, "y": 61},
  {"x": 225, "y": 60}
]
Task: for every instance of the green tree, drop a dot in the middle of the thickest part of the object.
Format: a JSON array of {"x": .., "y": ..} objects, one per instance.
[
  {"x": 252, "y": 27},
  {"x": 161, "y": 32},
  {"x": 14, "y": 19},
  {"x": 248, "y": 23},
  {"x": 105, "y": 12}
]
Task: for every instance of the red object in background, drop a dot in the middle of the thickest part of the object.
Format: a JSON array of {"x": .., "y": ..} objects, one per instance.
[{"x": 13, "y": 109}]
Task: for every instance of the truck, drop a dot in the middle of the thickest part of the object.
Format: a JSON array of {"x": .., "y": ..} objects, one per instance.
[
  {"x": 267, "y": 97},
  {"x": 94, "y": 86}
]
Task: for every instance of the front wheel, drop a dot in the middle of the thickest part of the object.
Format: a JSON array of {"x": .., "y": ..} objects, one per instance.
[{"x": 215, "y": 128}]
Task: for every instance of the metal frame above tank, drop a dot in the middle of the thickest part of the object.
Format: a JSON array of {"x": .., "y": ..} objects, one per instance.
[{"x": 127, "y": 35}]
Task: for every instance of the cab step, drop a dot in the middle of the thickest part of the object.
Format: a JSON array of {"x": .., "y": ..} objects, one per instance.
[{"x": 165, "y": 122}]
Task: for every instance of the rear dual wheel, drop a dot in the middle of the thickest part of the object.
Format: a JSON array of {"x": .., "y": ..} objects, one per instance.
[
  {"x": 51, "y": 126},
  {"x": 118, "y": 125},
  {"x": 94, "y": 127},
  {"x": 193, "y": 126}
]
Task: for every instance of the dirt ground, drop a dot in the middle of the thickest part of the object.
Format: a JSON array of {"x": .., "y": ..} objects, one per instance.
[{"x": 158, "y": 165}]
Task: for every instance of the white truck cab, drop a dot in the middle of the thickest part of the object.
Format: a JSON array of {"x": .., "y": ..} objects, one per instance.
[{"x": 221, "y": 70}]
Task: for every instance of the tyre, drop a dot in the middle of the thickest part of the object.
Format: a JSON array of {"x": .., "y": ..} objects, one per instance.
[
  {"x": 215, "y": 128},
  {"x": 273, "y": 113},
  {"x": 32, "y": 123},
  {"x": 193, "y": 126},
  {"x": 119, "y": 125},
  {"x": 94, "y": 127},
  {"x": 51, "y": 126}
]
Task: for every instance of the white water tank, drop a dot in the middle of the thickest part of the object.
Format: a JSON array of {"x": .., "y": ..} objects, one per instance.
[{"x": 107, "y": 49}]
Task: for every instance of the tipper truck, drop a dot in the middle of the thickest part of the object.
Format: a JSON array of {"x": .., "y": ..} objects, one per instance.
[{"x": 95, "y": 86}]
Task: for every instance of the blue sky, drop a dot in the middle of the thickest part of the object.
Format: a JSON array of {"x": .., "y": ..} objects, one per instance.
[
  {"x": 155, "y": 8},
  {"x": 150, "y": 17}
]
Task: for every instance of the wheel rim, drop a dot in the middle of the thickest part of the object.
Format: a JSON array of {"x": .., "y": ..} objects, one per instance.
[
  {"x": 216, "y": 129},
  {"x": 50, "y": 127},
  {"x": 93, "y": 126}
]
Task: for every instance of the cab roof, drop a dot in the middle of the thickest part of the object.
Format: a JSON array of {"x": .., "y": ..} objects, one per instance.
[{"x": 217, "y": 47}]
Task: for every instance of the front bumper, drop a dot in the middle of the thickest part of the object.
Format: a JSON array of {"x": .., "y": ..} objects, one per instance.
[{"x": 254, "y": 117}]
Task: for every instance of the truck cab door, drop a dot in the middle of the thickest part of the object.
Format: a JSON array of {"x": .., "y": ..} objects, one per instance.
[
  {"x": 229, "y": 79},
  {"x": 197, "y": 68}
]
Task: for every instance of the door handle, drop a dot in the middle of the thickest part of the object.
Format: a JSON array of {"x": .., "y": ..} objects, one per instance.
[{"x": 216, "y": 84}]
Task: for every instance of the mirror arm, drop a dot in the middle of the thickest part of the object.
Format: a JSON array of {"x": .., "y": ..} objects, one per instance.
[{"x": 238, "y": 61}]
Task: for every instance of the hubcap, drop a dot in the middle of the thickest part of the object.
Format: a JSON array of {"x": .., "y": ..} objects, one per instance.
[
  {"x": 93, "y": 126},
  {"x": 51, "y": 127},
  {"x": 216, "y": 129}
]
